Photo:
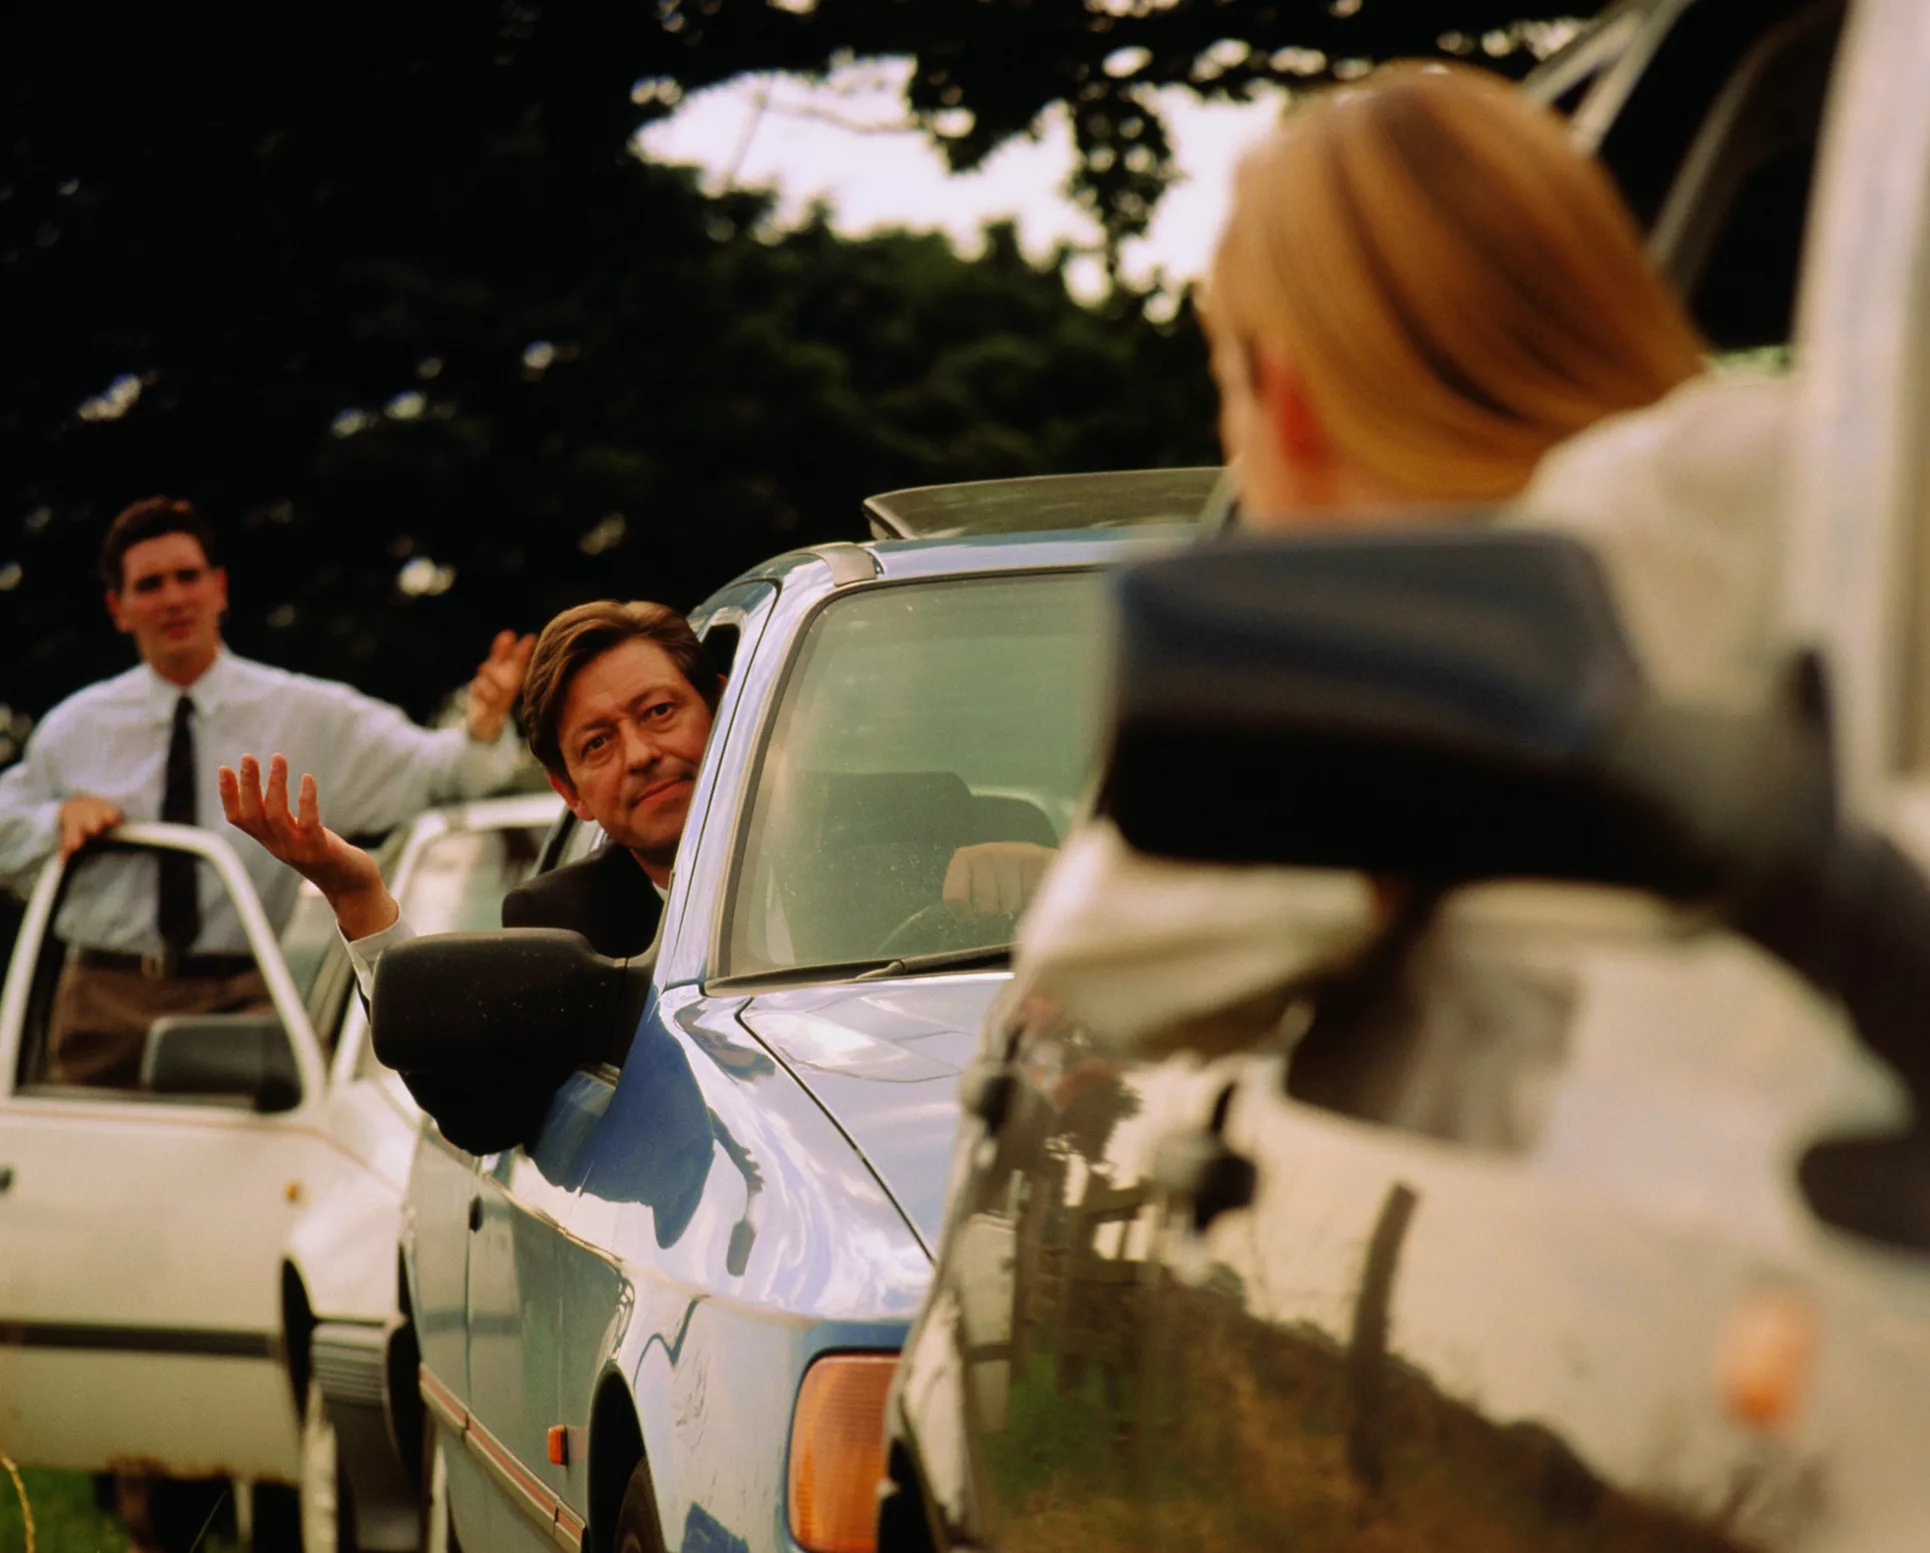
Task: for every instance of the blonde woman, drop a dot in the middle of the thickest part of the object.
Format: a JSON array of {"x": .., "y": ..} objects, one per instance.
[{"x": 1422, "y": 290}]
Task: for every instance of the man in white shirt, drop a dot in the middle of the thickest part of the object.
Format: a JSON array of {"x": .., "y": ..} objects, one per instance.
[{"x": 146, "y": 934}]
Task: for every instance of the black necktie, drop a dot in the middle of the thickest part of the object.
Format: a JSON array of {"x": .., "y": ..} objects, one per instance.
[{"x": 179, "y": 913}]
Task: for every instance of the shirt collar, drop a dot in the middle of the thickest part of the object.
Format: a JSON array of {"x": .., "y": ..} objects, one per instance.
[{"x": 206, "y": 694}]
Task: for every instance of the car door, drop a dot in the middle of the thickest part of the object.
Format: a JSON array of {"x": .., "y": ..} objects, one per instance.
[
  {"x": 515, "y": 1310},
  {"x": 140, "y": 1286},
  {"x": 477, "y": 1234},
  {"x": 1539, "y": 1270}
]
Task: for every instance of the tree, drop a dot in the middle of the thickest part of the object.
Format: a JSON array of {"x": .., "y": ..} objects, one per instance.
[{"x": 382, "y": 287}]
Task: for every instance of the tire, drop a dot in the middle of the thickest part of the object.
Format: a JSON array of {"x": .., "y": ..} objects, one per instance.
[
  {"x": 178, "y": 1511},
  {"x": 637, "y": 1530},
  {"x": 326, "y": 1509},
  {"x": 278, "y": 1519},
  {"x": 438, "y": 1527}
]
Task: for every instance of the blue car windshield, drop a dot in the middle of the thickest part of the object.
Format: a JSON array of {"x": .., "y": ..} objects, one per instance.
[{"x": 918, "y": 720}]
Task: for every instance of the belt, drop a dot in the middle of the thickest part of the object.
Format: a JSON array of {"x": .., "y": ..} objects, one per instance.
[{"x": 166, "y": 967}]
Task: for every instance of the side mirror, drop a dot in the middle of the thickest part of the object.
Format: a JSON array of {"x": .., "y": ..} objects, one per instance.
[
  {"x": 243, "y": 1056},
  {"x": 1442, "y": 706},
  {"x": 484, "y": 1027},
  {"x": 1462, "y": 704}
]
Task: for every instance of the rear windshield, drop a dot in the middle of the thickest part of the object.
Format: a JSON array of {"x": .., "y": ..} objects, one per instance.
[{"x": 917, "y": 720}]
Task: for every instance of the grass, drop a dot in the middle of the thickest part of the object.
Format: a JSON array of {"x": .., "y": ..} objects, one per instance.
[{"x": 65, "y": 1517}]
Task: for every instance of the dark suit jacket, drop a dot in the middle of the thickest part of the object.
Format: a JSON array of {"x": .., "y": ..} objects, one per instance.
[{"x": 607, "y": 897}]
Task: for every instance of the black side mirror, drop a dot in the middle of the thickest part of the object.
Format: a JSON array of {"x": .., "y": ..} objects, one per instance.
[
  {"x": 484, "y": 1027},
  {"x": 238, "y": 1056},
  {"x": 1440, "y": 705},
  {"x": 1462, "y": 704}
]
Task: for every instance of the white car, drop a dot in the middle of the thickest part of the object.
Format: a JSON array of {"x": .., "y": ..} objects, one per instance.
[
  {"x": 198, "y": 1277},
  {"x": 1600, "y": 1229}
]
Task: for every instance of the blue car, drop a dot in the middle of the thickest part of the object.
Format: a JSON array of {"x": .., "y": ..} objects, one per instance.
[{"x": 664, "y": 1314}]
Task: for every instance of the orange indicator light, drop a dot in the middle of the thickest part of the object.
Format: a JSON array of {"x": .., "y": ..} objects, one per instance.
[
  {"x": 1765, "y": 1356},
  {"x": 559, "y": 1443},
  {"x": 838, "y": 1452}
]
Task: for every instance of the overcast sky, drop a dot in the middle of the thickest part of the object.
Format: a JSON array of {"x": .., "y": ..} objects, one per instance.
[{"x": 848, "y": 142}]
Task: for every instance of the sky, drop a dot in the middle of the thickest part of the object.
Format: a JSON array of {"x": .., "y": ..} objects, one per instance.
[{"x": 847, "y": 141}]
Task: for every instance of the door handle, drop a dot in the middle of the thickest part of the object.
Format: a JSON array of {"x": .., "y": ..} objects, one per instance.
[
  {"x": 475, "y": 1213},
  {"x": 6, "y": 1178}
]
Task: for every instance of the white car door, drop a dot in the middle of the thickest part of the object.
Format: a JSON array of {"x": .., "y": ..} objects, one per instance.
[{"x": 141, "y": 1231}]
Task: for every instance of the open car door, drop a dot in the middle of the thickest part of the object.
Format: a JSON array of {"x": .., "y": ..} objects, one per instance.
[{"x": 140, "y": 1290}]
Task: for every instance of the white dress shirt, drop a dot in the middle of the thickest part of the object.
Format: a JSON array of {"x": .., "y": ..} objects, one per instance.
[{"x": 374, "y": 767}]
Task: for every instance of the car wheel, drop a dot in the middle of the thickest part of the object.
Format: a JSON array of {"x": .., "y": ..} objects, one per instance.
[
  {"x": 438, "y": 1530},
  {"x": 638, "y": 1529},
  {"x": 327, "y": 1513},
  {"x": 278, "y": 1519}
]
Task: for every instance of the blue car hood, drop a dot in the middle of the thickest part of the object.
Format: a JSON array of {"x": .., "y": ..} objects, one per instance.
[{"x": 884, "y": 1060}]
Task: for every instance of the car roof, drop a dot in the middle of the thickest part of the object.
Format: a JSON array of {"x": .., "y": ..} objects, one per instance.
[{"x": 902, "y": 560}]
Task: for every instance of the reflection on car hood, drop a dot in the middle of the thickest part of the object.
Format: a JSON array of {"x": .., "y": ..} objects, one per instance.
[{"x": 884, "y": 1060}]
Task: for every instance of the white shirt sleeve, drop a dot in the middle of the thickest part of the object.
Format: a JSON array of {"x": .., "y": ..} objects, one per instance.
[
  {"x": 385, "y": 769},
  {"x": 29, "y": 817},
  {"x": 364, "y": 952}
]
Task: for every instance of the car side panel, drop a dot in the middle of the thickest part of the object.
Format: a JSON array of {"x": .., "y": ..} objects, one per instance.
[
  {"x": 435, "y": 1248},
  {"x": 1624, "y": 1330},
  {"x": 512, "y": 1330},
  {"x": 725, "y": 1231}
]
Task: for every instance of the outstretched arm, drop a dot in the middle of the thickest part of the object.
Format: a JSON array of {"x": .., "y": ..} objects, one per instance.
[{"x": 346, "y": 875}]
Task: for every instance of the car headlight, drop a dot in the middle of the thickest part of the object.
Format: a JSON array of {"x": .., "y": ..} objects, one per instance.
[{"x": 838, "y": 1452}]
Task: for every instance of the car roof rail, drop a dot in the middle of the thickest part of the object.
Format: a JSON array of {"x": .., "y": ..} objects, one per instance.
[{"x": 849, "y": 563}]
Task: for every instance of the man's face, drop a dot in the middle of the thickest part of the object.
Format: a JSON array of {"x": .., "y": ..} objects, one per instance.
[
  {"x": 171, "y": 602},
  {"x": 632, "y": 733}
]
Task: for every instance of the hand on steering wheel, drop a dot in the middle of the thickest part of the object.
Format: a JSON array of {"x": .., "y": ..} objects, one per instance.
[{"x": 994, "y": 878}]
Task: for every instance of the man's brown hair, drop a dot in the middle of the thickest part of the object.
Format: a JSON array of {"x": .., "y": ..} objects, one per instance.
[
  {"x": 150, "y": 518},
  {"x": 586, "y": 632}
]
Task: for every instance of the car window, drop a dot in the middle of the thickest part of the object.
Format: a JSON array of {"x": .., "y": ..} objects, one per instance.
[
  {"x": 916, "y": 720},
  {"x": 458, "y": 883},
  {"x": 101, "y": 1021},
  {"x": 308, "y": 939},
  {"x": 1730, "y": 233},
  {"x": 1706, "y": 115}
]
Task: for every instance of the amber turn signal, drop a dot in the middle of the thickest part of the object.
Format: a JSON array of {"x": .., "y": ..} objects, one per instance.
[
  {"x": 1767, "y": 1351},
  {"x": 838, "y": 1452}
]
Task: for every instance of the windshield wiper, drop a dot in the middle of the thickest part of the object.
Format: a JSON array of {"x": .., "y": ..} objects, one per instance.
[
  {"x": 949, "y": 960},
  {"x": 868, "y": 970}
]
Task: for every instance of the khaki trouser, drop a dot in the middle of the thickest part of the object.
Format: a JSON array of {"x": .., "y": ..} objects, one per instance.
[{"x": 100, "y": 1017}]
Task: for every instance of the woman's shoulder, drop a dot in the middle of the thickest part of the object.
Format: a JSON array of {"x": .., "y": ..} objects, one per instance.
[
  {"x": 1684, "y": 502},
  {"x": 1719, "y": 442}
]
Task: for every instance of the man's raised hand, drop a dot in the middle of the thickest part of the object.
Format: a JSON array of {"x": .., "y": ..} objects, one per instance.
[
  {"x": 346, "y": 875},
  {"x": 497, "y": 684}
]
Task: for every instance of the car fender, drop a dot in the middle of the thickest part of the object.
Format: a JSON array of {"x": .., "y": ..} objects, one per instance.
[{"x": 343, "y": 1249}]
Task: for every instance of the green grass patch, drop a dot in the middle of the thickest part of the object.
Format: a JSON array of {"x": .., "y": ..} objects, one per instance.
[{"x": 65, "y": 1517}]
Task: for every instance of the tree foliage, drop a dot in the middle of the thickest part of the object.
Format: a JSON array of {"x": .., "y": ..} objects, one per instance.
[{"x": 383, "y": 288}]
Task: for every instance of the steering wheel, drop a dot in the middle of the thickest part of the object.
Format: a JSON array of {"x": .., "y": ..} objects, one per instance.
[{"x": 932, "y": 929}]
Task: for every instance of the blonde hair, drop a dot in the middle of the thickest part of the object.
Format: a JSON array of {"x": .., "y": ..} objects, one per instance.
[{"x": 1457, "y": 287}]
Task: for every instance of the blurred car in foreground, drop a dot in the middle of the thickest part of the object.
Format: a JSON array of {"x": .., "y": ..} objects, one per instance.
[
  {"x": 665, "y": 1314},
  {"x": 1607, "y": 1223},
  {"x": 200, "y": 1276}
]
